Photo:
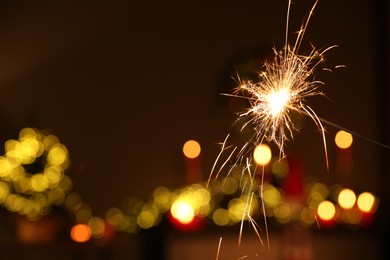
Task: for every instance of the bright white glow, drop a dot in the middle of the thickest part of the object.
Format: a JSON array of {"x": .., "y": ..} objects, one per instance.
[
  {"x": 182, "y": 211},
  {"x": 277, "y": 101}
]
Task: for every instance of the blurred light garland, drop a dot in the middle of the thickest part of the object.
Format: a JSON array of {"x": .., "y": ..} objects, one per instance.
[
  {"x": 32, "y": 177},
  {"x": 223, "y": 203},
  {"x": 32, "y": 181}
]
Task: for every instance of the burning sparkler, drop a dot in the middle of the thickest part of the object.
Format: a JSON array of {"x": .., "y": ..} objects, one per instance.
[
  {"x": 282, "y": 88},
  {"x": 284, "y": 85}
]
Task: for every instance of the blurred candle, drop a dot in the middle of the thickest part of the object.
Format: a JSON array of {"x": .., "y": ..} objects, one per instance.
[
  {"x": 344, "y": 142},
  {"x": 191, "y": 151}
]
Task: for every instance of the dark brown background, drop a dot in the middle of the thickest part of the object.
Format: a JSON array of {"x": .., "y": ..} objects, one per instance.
[{"x": 124, "y": 84}]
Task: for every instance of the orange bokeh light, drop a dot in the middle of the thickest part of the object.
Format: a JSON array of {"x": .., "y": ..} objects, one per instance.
[{"x": 80, "y": 233}]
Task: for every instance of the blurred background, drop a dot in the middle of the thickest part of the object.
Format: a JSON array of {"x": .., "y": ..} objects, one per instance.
[{"x": 116, "y": 88}]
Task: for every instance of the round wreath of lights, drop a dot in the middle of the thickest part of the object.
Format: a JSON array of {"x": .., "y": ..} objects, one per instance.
[{"x": 32, "y": 177}]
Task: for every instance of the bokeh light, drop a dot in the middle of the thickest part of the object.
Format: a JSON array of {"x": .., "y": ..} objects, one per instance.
[
  {"x": 182, "y": 211},
  {"x": 191, "y": 149},
  {"x": 262, "y": 154},
  {"x": 80, "y": 233},
  {"x": 326, "y": 210},
  {"x": 280, "y": 168},
  {"x": 97, "y": 226},
  {"x": 146, "y": 219},
  {"x": 366, "y": 202},
  {"x": 343, "y": 139},
  {"x": 33, "y": 191},
  {"x": 221, "y": 217},
  {"x": 347, "y": 198},
  {"x": 32, "y": 173},
  {"x": 277, "y": 101},
  {"x": 271, "y": 196}
]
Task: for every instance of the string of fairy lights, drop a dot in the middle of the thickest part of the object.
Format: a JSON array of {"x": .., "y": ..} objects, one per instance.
[{"x": 33, "y": 180}]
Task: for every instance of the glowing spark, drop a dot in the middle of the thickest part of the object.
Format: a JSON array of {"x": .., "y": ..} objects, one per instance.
[
  {"x": 277, "y": 101},
  {"x": 284, "y": 85},
  {"x": 219, "y": 248}
]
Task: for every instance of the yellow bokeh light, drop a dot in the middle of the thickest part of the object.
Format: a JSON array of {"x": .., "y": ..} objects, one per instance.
[
  {"x": 115, "y": 217},
  {"x": 191, "y": 149},
  {"x": 146, "y": 219},
  {"x": 182, "y": 211},
  {"x": 84, "y": 214},
  {"x": 56, "y": 196},
  {"x": 307, "y": 216},
  {"x": 347, "y": 198},
  {"x": 343, "y": 139},
  {"x": 366, "y": 202},
  {"x": 229, "y": 185},
  {"x": 271, "y": 196},
  {"x": 221, "y": 217},
  {"x": 5, "y": 167},
  {"x": 326, "y": 210},
  {"x": 32, "y": 193},
  {"x": 242, "y": 208},
  {"x": 4, "y": 190},
  {"x": 57, "y": 155},
  {"x": 53, "y": 175},
  {"x": 97, "y": 226},
  {"x": 283, "y": 213},
  {"x": 49, "y": 141},
  {"x": 39, "y": 182},
  {"x": 262, "y": 154},
  {"x": 66, "y": 183},
  {"x": 280, "y": 169},
  {"x": 162, "y": 198},
  {"x": 236, "y": 209}
]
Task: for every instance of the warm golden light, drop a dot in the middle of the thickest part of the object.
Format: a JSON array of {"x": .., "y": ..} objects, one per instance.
[
  {"x": 146, "y": 219},
  {"x": 57, "y": 155},
  {"x": 162, "y": 198},
  {"x": 280, "y": 169},
  {"x": 343, "y": 139},
  {"x": 366, "y": 202},
  {"x": 236, "y": 209},
  {"x": 33, "y": 194},
  {"x": 221, "y": 217},
  {"x": 283, "y": 213},
  {"x": 182, "y": 211},
  {"x": 80, "y": 233},
  {"x": 271, "y": 196},
  {"x": 229, "y": 185},
  {"x": 277, "y": 101},
  {"x": 191, "y": 149},
  {"x": 262, "y": 154},
  {"x": 326, "y": 210},
  {"x": 347, "y": 198},
  {"x": 97, "y": 226},
  {"x": 307, "y": 216}
]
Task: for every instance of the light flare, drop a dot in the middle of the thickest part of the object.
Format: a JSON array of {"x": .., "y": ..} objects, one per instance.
[
  {"x": 277, "y": 101},
  {"x": 283, "y": 85}
]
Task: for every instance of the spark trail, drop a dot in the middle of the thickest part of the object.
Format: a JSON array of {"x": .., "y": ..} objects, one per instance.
[{"x": 284, "y": 84}]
